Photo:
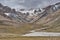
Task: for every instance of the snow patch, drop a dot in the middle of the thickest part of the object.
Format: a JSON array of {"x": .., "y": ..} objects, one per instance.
[{"x": 42, "y": 34}]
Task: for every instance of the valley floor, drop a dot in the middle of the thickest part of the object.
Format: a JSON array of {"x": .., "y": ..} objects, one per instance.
[{"x": 31, "y": 38}]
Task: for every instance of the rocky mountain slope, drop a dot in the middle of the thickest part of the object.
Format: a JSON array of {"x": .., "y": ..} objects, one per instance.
[
  {"x": 29, "y": 16},
  {"x": 12, "y": 21}
]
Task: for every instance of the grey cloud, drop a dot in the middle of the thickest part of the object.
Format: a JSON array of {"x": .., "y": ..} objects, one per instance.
[
  {"x": 17, "y": 4},
  {"x": 38, "y": 3}
]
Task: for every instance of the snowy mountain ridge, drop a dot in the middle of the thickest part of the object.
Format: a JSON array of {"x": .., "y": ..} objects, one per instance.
[{"x": 28, "y": 16}]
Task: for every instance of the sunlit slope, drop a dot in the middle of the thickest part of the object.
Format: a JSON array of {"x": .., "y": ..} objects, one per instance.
[{"x": 50, "y": 22}]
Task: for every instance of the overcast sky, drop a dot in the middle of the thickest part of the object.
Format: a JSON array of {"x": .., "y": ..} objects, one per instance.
[{"x": 18, "y": 4}]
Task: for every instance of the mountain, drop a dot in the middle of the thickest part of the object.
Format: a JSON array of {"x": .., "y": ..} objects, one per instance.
[
  {"x": 6, "y": 18},
  {"x": 16, "y": 22},
  {"x": 51, "y": 21},
  {"x": 28, "y": 16}
]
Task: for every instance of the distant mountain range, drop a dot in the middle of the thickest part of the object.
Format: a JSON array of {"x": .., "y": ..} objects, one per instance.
[
  {"x": 41, "y": 19},
  {"x": 29, "y": 16}
]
